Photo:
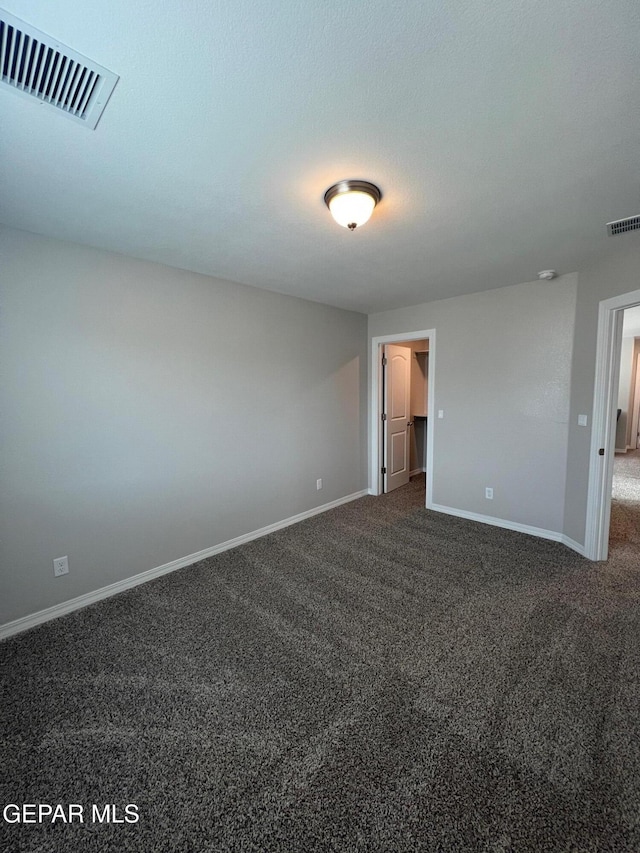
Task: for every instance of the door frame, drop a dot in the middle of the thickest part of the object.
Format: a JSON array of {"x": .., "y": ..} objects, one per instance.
[
  {"x": 376, "y": 404},
  {"x": 603, "y": 432}
]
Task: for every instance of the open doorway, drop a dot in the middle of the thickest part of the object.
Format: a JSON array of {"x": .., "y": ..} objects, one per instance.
[
  {"x": 628, "y": 393},
  {"x": 635, "y": 404},
  {"x": 404, "y": 412},
  {"x": 401, "y": 399},
  {"x": 606, "y": 430},
  {"x": 624, "y": 527}
]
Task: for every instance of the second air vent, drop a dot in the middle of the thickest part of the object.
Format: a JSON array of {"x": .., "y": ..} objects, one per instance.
[
  {"x": 631, "y": 223},
  {"x": 36, "y": 65}
]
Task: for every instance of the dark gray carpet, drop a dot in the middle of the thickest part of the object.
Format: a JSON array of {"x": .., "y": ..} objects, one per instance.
[
  {"x": 625, "y": 507},
  {"x": 378, "y": 678}
]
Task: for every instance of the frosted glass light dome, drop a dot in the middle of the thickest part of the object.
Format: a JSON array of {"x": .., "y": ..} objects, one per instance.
[{"x": 352, "y": 202}]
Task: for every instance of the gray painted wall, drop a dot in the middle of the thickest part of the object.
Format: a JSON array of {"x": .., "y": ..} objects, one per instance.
[
  {"x": 149, "y": 413},
  {"x": 502, "y": 377},
  {"x": 610, "y": 275}
]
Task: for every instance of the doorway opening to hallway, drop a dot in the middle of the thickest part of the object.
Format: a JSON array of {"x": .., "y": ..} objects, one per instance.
[
  {"x": 624, "y": 527},
  {"x": 402, "y": 393},
  {"x": 608, "y": 426}
]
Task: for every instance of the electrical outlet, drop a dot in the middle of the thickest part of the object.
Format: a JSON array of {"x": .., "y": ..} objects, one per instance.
[
  {"x": 440, "y": 413},
  {"x": 319, "y": 484},
  {"x": 61, "y": 566},
  {"x": 488, "y": 493}
]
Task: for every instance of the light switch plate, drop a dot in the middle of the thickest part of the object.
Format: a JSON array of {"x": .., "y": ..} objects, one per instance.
[{"x": 582, "y": 420}]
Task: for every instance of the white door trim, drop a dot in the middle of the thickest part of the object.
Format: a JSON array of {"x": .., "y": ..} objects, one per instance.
[
  {"x": 375, "y": 406},
  {"x": 603, "y": 432}
]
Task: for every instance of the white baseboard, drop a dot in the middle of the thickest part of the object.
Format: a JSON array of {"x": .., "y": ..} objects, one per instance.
[
  {"x": 514, "y": 525},
  {"x": 26, "y": 622},
  {"x": 575, "y": 546},
  {"x": 500, "y": 522}
]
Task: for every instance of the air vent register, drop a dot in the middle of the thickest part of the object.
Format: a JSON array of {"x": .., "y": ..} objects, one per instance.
[
  {"x": 620, "y": 226},
  {"x": 37, "y": 66}
]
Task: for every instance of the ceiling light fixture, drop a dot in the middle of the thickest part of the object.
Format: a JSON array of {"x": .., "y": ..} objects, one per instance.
[
  {"x": 351, "y": 202},
  {"x": 547, "y": 275}
]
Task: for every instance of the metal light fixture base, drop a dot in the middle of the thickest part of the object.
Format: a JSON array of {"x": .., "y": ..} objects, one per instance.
[{"x": 352, "y": 186}]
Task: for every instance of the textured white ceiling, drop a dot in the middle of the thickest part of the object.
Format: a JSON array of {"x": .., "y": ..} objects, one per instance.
[{"x": 503, "y": 133}]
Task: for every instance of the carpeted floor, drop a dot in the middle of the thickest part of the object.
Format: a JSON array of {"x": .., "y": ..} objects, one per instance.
[
  {"x": 378, "y": 678},
  {"x": 625, "y": 505}
]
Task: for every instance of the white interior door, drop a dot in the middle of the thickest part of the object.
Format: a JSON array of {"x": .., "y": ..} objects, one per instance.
[{"x": 397, "y": 403}]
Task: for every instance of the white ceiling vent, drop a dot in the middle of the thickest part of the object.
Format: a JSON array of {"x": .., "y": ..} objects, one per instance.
[
  {"x": 38, "y": 66},
  {"x": 619, "y": 226}
]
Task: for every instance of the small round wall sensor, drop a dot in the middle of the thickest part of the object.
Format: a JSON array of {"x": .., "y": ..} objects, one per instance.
[{"x": 547, "y": 275}]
